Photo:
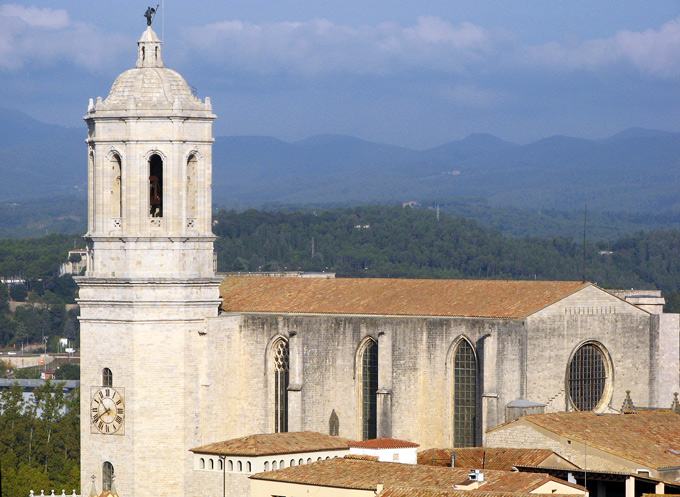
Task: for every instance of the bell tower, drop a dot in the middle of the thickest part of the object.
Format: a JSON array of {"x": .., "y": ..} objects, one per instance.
[{"x": 150, "y": 283}]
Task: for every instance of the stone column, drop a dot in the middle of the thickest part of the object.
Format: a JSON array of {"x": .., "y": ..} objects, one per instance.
[
  {"x": 384, "y": 401},
  {"x": 295, "y": 381},
  {"x": 488, "y": 388},
  {"x": 630, "y": 486},
  {"x": 665, "y": 359}
]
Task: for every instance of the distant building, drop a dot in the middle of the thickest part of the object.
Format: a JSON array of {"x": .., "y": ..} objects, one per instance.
[
  {"x": 48, "y": 374},
  {"x": 75, "y": 264}
]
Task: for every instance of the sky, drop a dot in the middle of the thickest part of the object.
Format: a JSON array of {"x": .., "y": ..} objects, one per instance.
[{"x": 410, "y": 73}]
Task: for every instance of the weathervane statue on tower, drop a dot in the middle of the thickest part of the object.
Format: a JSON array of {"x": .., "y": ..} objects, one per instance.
[{"x": 150, "y": 14}]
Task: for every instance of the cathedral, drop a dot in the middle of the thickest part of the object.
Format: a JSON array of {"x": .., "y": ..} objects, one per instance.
[{"x": 173, "y": 357}]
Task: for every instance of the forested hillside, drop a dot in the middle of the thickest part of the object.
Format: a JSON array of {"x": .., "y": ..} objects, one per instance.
[
  {"x": 36, "y": 261},
  {"x": 38, "y": 217},
  {"x": 378, "y": 241}
]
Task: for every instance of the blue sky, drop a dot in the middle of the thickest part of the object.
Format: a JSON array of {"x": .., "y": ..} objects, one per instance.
[{"x": 409, "y": 73}]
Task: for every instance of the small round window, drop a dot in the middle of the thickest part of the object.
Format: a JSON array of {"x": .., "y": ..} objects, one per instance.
[{"x": 588, "y": 376}]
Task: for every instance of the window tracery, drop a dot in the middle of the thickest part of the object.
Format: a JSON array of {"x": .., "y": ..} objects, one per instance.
[
  {"x": 281, "y": 358},
  {"x": 464, "y": 395},
  {"x": 588, "y": 375}
]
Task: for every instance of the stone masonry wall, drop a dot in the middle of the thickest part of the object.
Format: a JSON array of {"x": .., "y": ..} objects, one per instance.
[{"x": 517, "y": 359}]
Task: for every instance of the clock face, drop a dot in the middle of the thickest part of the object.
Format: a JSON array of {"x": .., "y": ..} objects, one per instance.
[{"x": 107, "y": 410}]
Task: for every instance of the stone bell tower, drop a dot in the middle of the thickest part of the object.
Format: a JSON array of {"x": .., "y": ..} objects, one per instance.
[{"x": 150, "y": 283}]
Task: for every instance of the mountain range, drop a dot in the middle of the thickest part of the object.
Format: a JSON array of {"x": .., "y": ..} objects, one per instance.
[{"x": 635, "y": 170}]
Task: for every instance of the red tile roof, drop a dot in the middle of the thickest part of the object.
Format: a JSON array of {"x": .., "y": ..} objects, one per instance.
[
  {"x": 275, "y": 443},
  {"x": 485, "y": 457},
  {"x": 366, "y": 475},
  {"x": 432, "y": 492},
  {"x": 362, "y": 457},
  {"x": 384, "y": 443},
  {"x": 645, "y": 437},
  {"x": 398, "y": 297}
]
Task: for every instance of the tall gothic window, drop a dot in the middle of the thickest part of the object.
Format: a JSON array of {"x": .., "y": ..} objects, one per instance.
[
  {"x": 107, "y": 378},
  {"x": 107, "y": 476},
  {"x": 281, "y": 370},
  {"x": 369, "y": 390},
  {"x": 464, "y": 396},
  {"x": 587, "y": 377},
  {"x": 155, "y": 186}
]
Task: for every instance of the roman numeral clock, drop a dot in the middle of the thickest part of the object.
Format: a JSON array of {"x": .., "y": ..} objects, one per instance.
[{"x": 107, "y": 410}]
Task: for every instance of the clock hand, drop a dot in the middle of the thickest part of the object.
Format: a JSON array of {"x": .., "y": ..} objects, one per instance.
[{"x": 94, "y": 420}]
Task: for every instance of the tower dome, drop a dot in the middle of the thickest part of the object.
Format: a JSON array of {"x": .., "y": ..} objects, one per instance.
[{"x": 150, "y": 85}]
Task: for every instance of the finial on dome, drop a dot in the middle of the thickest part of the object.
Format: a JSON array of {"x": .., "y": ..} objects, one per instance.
[{"x": 149, "y": 49}]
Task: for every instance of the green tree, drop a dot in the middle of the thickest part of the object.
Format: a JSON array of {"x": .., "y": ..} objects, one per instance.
[
  {"x": 39, "y": 440},
  {"x": 18, "y": 292},
  {"x": 68, "y": 372},
  {"x": 4, "y": 298}
]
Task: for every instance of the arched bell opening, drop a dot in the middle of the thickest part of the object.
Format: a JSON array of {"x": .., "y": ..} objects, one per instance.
[{"x": 155, "y": 186}]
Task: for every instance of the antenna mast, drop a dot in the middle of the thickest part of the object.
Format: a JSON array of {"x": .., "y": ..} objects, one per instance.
[{"x": 585, "y": 216}]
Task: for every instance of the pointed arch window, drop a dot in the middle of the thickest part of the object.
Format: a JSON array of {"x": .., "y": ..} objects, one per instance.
[
  {"x": 107, "y": 476},
  {"x": 369, "y": 390},
  {"x": 155, "y": 186},
  {"x": 281, "y": 360},
  {"x": 464, "y": 396},
  {"x": 334, "y": 424}
]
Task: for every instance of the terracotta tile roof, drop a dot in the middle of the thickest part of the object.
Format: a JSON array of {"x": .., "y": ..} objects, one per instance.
[
  {"x": 275, "y": 443},
  {"x": 366, "y": 475},
  {"x": 645, "y": 437},
  {"x": 484, "y": 457},
  {"x": 400, "y": 297},
  {"x": 433, "y": 492},
  {"x": 384, "y": 443},
  {"x": 435, "y": 457},
  {"x": 362, "y": 457}
]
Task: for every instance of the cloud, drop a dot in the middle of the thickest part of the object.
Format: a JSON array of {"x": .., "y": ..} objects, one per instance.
[
  {"x": 322, "y": 47},
  {"x": 471, "y": 96},
  {"x": 32, "y": 16},
  {"x": 31, "y": 36},
  {"x": 654, "y": 52}
]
